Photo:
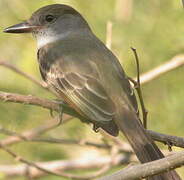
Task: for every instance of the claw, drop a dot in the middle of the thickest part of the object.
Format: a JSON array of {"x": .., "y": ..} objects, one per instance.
[
  {"x": 60, "y": 112},
  {"x": 60, "y": 115},
  {"x": 95, "y": 128},
  {"x": 51, "y": 113},
  {"x": 169, "y": 144}
]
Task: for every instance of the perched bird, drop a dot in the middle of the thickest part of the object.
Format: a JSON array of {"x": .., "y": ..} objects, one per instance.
[{"x": 87, "y": 75}]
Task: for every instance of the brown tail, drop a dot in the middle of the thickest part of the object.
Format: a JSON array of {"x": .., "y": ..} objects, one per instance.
[{"x": 142, "y": 144}]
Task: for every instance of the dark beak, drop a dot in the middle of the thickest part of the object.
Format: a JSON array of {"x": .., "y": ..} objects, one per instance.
[{"x": 24, "y": 27}]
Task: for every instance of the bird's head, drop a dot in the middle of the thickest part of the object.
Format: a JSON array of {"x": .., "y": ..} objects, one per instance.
[{"x": 51, "y": 22}]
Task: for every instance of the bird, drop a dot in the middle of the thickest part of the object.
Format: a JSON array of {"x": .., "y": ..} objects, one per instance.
[{"x": 85, "y": 74}]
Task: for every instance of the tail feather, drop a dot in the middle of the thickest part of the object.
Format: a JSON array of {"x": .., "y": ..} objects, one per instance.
[{"x": 142, "y": 144}]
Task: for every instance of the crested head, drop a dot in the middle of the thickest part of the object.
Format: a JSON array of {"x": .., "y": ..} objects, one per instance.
[{"x": 52, "y": 23}]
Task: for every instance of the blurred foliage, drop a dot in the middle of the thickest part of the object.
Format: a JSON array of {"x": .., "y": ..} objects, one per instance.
[{"x": 155, "y": 28}]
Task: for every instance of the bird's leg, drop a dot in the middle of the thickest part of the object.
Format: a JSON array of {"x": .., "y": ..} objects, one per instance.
[
  {"x": 95, "y": 128},
  {"x": 60, "y": 115},
  {"x": 60, "y": 111},
  {"x": 51, "y": 113},
  {"x": 134, "y": 82}
]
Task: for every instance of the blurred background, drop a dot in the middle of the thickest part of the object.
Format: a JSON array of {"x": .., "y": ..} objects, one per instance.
[{"x": 154, "y": 28}]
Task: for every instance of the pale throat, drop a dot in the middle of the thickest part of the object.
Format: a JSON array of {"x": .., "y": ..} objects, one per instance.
[{"x": 44, "y": 39}]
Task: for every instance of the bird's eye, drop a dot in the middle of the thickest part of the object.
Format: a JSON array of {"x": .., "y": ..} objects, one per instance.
[{"x": 49, "y": 18}]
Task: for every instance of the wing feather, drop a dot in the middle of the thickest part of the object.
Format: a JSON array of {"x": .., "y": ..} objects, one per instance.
[{"x": 85, "y": 92}]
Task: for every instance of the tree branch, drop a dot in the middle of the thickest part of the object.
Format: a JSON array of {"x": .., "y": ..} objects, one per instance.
[
  {"x": 24, "y": 74},
  {"x": 174, "y": 63},
  {"x": 148, "y": 169},
  {"x": 167, "y": 139},
  {"x": 32, "y": 100}
]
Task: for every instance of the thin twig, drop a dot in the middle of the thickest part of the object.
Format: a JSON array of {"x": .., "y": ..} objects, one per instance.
[
  {"x": 167, "y": 139},
  {"x": 11, "y": 133},
  {"x": 31, "y": 136},
  {"x": 18, "y": 71},
  {"x": 32, "y": 100},
  {"x": 70, "y": 141},
  {"x": 138, "y": 89}
]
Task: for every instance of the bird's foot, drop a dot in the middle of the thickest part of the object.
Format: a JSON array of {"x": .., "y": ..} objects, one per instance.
[
  {"x": 96, "y": 128},
  {"x": 60, "y": 111}
]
